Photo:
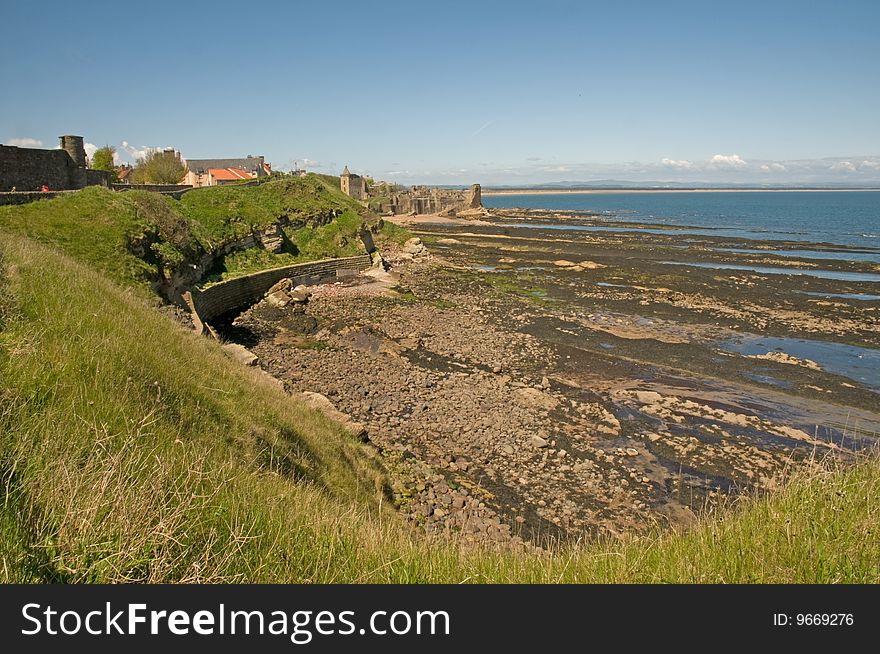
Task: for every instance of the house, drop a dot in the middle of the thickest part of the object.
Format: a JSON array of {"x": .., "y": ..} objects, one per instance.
[
  {"x": 123, "y": 174},
  {"x": 353, "y": 185},
  {"x": 211, "y": 172},
  {"x": 220, "y": 176}
]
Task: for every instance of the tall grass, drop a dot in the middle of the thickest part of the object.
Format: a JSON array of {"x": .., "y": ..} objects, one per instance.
[{"x": 131, "y": 450}]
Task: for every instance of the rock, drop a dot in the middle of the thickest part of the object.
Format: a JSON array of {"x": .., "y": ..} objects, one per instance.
[
  {"x": 537, "y": 441},
  {"x": 323, "y": 404},
  {"x": 534, "y": 398},
  {"x": 282, "y": 285},
  {"x": 278, "y": 299},
  {"x": 299, "y": 296},
  {"x": 414, "y": 247},
  {"x": 545, "y": 383},
  {"x": 272, "y": 239},
  {"x": 507, "y": 449},
  {"x": 631, "y": 451},
  {"x": 240, "y": 353}
]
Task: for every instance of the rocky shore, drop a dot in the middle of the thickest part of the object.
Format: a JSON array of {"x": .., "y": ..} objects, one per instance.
[{"x": 526, "y": 388}]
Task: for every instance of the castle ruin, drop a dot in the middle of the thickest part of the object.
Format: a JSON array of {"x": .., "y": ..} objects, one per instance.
[
  {"x": 433, "y": 200},
  {"x": 393, "y": 199},
  {"x": 63, "y": 169}
]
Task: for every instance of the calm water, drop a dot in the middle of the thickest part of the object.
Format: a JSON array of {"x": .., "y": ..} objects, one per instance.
[
  {"x": 840, "y": 217},
  {"x": 839, "y": 275},
  {"x": 858, "y": 363}
]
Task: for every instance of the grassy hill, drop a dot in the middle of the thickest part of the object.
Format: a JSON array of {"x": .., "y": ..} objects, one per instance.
[
  {"x": 140, "y": 238},
  {"x": 133, "y": 450}
]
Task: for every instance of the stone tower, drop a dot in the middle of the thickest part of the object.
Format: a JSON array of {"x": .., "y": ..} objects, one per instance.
[
  {"x": 74, "y": 146},
  {"x": 345, "y": 181},
  {"x": 352, "y": 185}
]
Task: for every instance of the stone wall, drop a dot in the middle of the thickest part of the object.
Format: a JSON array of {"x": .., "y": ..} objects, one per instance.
[
  {"x": 207, "y": 304},
  {"x": 28, "y": 196},
  {"x": 27, "y": 169},
  {"x": 422, "y": 200}
]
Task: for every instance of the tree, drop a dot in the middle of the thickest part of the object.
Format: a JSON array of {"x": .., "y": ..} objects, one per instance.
[
  {"x": 103, "y": 160},
  {"x": 163, "y": 167}
]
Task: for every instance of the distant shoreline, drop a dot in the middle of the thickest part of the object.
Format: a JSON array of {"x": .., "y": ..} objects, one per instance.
[{"x": 607, "y": 191}]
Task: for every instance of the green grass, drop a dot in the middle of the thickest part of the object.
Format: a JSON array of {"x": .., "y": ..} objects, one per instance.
[
  {"x": 139, "y": 238},
  {"x": 223, "y": 211},
  {"x": 135, "y": 451}
]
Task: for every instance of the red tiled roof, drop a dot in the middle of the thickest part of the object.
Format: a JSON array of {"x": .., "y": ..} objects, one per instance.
[{"x": 226, "y": 174}]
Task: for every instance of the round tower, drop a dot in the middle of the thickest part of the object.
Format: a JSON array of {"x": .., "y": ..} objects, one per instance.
[{"x": 75, "y": 147}]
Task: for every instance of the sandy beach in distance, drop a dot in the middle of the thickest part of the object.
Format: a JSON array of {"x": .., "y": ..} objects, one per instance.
[{"x": 609, "y": 191}]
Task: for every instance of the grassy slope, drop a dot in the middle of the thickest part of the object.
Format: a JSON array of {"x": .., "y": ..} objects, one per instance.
[
  {"x": 96, "y": 225},
  {"x": 132, "y": 450}
]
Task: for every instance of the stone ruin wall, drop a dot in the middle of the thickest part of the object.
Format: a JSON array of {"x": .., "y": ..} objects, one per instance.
[
  {"x": 423, "y": 200},
  {"x": 27, "y": 169}
]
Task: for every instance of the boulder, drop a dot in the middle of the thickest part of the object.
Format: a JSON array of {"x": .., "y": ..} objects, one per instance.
[
  {"x": 283, "y": 285},
  {"x": 537, "y": 441},
  {"x": 415, "y": 247},
  {"x": 300, "y": 294},
  {"x": 300, "y": 297},
  {"x": 323, "y": 404},
  {"x": 279, "y": 299},
  {"x": 240, "y": 353}
]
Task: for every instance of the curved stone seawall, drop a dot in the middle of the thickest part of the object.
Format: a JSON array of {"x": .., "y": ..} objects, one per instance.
[{"x": 207, "y": 304}]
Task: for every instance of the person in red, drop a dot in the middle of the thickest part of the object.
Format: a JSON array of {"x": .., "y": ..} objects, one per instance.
[{"x": 44, "y": 189}]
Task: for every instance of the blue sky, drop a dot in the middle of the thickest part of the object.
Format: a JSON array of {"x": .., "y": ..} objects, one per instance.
[{"x": 456, "y": 92}]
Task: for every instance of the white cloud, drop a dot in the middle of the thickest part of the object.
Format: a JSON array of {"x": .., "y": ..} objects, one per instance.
[
  {"x": 846, "y": 166},
  {"x": 90, "y": 149},
  {"x": 727, "y": 161},
  {"x": 138, "y": 153},
  {"x": 676, "y": 163},
  {"x": 872, "y": 165},
  {"x": 772, "y": 168},
  {"x": 556, "y": 169},
  {"x": 26, "y": 142}
]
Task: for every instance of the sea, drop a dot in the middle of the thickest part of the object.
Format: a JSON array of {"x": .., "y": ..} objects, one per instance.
[{"x": 848, "y": 218}]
